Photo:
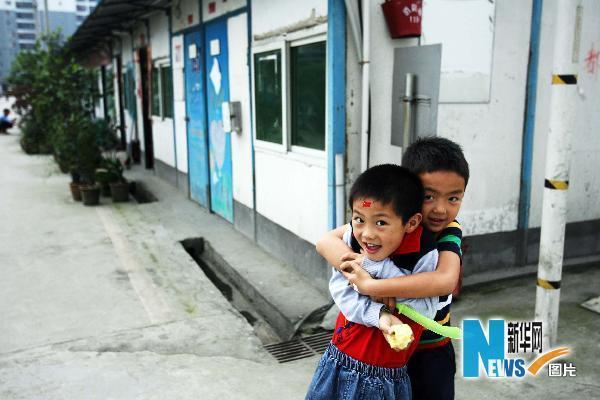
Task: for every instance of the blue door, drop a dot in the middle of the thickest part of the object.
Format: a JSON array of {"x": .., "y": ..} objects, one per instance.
[
  {"x": 219, "y": 141},
  {"x": 196, "y": 125}
]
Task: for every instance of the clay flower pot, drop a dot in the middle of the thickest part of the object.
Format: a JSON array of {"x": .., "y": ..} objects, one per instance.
[
  {"x": 90, "y": 194},
  {"x": 75, "y": 192}
]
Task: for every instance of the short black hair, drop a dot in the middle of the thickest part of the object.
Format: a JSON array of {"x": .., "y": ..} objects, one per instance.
[
  {"x": 390, "y": 184},
  {"x": 433, "y": 154},
  {"x": 6, "y": 111}
]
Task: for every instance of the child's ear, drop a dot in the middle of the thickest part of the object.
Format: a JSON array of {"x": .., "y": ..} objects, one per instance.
[{"x": 413, "y": 222}]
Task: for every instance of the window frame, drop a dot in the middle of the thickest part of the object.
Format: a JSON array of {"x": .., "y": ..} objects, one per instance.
[
  {"x": 159, "y": 64},
  {"x": 284, "y": 44},
  {"x": 278, "y": 147},
  {"x": 163, "y": 91},
  {"x": 300, "y": 149},
  {"x": 155, "y": 77}
]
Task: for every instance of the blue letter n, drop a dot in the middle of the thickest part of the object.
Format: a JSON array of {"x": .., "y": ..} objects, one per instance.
[{"x": 476, "y": 345}]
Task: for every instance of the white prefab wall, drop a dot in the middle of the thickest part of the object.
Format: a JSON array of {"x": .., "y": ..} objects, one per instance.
[
  {"x": 159, "y": 36},
  {"x": 268, "y": 15},
  {"x": 179, "y": 104},
  {"x": 127, "y": 60},
  {"x": 221, "y": 7},
  {"x": 381, "y": 78},
  {"x": 292, "y": 193},
  {"x": 185, "y": 14},
  {"x": 291, "y": 186},
  {"x": 239, "y": 86},
  {"x": 489, "y": 132},
  {"x": 116, "y": 96},
  {"x": 139, "y": 39},
  {"x": 162, "y": 128},
  {"x": 99, "y": 106},
  {"x": 584, "y": 179},
  {"x": 465, "y": 70}
]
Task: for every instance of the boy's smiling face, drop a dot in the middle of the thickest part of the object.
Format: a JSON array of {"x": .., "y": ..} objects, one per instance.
[
  {"x": 444, "y": 191},
  {"x": 378, "y": 229}
]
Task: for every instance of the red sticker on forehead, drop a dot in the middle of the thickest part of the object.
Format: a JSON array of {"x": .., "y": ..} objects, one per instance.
[{"x": 366, "y": 204}]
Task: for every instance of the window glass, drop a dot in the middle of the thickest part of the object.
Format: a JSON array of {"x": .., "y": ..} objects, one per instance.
[
  {"x": 267, "y": 91},
  {"x": 308, "y": 95},
  {"x": 155, "y": 92},
  {"x": 167, "y": 91}
]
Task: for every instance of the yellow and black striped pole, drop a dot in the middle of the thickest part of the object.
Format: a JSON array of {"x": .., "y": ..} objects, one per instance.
[{"x": 558, "y": 157}]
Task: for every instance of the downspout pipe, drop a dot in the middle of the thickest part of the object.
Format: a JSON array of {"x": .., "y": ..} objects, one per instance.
[
  {"x": 251, "y": 130},
  {"x": 168, "y": 12},
  {"x": 529, "y": 130},
  {"x": 354, "y": 20},
  {"x": 364, "y": 120},
  {"x": 336, "y": 109}
]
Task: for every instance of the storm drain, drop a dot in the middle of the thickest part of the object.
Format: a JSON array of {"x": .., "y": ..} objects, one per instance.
[
  {"x": 303, "y": 347},
  {"x": 141, "y": 193},
  {"x": 265, "y": 332}
]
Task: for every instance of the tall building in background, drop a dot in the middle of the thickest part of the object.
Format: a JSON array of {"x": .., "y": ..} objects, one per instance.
[
  {"x": 84, "y": 8},
  {"x": 26, "y": 24},
  {"x": 9, "y": 45},
  {"x": 23, "y": 21}
]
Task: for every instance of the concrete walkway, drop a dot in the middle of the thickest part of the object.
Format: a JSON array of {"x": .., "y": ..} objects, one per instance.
[{"x": 104, "y": 303}]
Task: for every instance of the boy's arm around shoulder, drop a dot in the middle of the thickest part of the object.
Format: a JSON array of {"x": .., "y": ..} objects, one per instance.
[
  {"x": 332, "y": 247},
  {"x": 438, "y": 282},
  {"x": 355, "y": 307}
]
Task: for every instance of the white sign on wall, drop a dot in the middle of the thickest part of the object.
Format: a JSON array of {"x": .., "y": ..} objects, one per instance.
[
  {"x": 192, "y": 51},
  {"x": 215, "y": 47},
  {"x": 466, "y": 31},
  {"x": 178, "y": 63}
]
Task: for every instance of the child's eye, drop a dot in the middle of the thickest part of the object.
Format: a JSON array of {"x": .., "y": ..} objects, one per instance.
[
  {"x": 428, "y": 197},
  {"x": 454, "y": 199},
  {"x": 358, "y": 220},
  {"x": 380, "y": 223}
]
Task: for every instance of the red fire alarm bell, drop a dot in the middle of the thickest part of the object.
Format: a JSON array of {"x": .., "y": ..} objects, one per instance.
[{"x": 403, "y": 17}]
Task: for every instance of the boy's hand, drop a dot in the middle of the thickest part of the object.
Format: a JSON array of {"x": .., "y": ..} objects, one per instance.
[
  {"x": 386, "y": 320},
  {"x": 401, "y": 336},
  {"x": 389, "y": 302},
  {"x": 357, "y": 276},
  {"x": 351, "y": 256}
]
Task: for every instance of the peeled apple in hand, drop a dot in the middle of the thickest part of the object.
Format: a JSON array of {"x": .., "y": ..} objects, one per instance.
[{"x": 400, "y": 338}]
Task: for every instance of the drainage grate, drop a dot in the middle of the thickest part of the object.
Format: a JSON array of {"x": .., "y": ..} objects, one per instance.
[{"x": 297, "y": 349}]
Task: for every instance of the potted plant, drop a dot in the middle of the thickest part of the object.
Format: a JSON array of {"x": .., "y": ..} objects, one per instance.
[
  {"x": 119, "y": 187},
  {"x": 88, "y": 158},
  {"x": 66, "y": 152},
  {"x": 108, "y": 142},
  {"x": 90, "y": 194},
  {"x": 74, "y": 186},
  {"x": 107, "y": 174}
]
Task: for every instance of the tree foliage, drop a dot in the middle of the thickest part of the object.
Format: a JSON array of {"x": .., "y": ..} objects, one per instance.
[{"x": 55, "y": 95}]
